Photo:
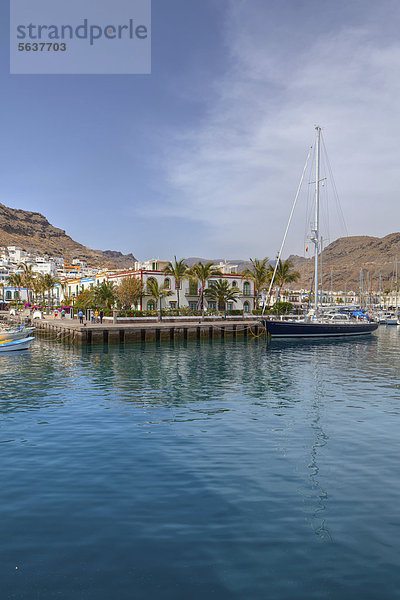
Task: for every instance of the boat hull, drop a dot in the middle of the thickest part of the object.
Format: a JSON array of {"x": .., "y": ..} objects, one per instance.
[
  {"x": 16, "y": 345},
  {"x": 16, "y": 334},
  {"x": 295, "y": 329}
]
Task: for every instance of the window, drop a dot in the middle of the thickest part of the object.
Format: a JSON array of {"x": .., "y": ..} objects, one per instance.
[
  {"x": 234, "y": 283},
  {"x": 229, "y": 307},
  {"x": 151, "y": 305},
  {"x": 193, "y": 288},
  {"x": 178, "y": 285},
  {"x": 16, "y": 295},
  {"x": 246, "y": 288},
  {"x": 212, "y": 305},
  {"x": 8, "y": 295},
  {"x": 193, "y": 305},
  {"x": 154, "y": 266},
  {"x": 167, "y": 284},
  {"x": 246, "y": 307},
  {"x": 172, "y": 304}
]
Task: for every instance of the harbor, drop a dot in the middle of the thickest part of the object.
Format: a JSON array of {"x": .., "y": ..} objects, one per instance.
[{"x": 199, "y": 301}]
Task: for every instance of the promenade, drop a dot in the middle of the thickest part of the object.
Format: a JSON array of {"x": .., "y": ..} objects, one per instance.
[{"x": 141, "y": 331}]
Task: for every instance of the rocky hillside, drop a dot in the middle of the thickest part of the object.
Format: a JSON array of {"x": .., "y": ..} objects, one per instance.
[
  {"x": 346, "y": 256},
  {"x": 32, "y": 232}
]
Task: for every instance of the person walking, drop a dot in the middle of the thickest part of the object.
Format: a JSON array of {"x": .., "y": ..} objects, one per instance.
[
  {"x": 96, "y": 316},
  {"x": 101, "y": 315},
  {"x": 80, "y": 315},
  {"x": 92, "y": 316}
]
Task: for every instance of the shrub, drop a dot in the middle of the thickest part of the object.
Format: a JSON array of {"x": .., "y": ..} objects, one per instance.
[{"x": 281, "y": 308}]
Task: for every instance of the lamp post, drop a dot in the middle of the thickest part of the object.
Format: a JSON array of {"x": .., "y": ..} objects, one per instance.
[{"x": 160, "y": 307}]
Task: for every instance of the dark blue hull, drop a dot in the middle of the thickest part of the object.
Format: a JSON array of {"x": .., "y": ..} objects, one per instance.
[{"x": 292, "y": 329}]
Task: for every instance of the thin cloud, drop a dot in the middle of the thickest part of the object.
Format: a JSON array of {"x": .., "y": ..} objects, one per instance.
[{"x": 236, "y": 171}]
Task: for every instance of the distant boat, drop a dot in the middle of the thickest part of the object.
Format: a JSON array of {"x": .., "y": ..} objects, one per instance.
[
  {"x": 391, "y": 319},
  {"x": 315, "y": 324},
  {"x": 11, "y": 345}
]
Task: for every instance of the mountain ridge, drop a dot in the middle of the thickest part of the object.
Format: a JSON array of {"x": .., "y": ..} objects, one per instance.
[
  {"x": 34, "y": 233},
  {"x": 344, "y": 258}
]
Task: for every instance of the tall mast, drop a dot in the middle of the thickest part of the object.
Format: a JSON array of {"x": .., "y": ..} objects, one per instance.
[{"x": 315, "y": 231}]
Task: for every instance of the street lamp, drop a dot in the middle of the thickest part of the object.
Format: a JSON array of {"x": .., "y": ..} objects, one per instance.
[{"x": 160, "y": 308}]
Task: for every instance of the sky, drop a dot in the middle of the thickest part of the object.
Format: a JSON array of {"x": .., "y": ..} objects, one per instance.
[{"x": 203, "y": 156}]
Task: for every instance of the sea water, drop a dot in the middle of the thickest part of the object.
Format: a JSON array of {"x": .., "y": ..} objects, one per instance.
[{"x": 234, "y": 469}]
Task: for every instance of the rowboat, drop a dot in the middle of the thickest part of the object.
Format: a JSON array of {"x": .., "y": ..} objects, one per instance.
[
  {"x": 9, "y": 345},
  {"x": 15, "y": 333}
]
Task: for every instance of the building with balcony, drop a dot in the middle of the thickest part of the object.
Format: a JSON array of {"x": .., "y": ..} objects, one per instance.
[{"x": 187, "y": 294}]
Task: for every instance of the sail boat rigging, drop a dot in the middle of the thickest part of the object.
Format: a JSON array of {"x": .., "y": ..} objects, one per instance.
[{"x": 315, "y": 324}]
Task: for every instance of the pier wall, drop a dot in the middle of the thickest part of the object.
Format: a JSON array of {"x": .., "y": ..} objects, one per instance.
[{"x": 74, "y": 333}]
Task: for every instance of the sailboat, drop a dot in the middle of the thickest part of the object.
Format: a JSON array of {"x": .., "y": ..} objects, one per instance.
[
  {"x": 392, "y": 318},
  {"x": 315, "y": 323}
]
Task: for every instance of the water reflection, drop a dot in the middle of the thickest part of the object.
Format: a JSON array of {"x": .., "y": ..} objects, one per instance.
[{"x": 238, "y": 454}]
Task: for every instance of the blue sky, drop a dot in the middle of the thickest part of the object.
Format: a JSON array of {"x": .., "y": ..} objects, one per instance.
[{"x": 203, "y": 156}]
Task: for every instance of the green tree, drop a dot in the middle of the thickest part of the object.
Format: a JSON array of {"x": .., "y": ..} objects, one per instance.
[
  {"x": 130, "y": 290},
  {"x": 15, "y": 280},
  {"x": 284, "y": 274},
  {"x": 105, "y": 294},
  {"x": 37, "y": 287},
  {"x": 282, "y": 308},
  {"x": 260, "y": 273},
  {"x": 155, "y": 290},
  {"x": 49, "y": 281},
  {"x": 67, "y": 300},
  {"x": 86, "y": 298},
  {"x": 179, "y": 270},
  {"x": 202, "y": 273},
  {"x": 221, "y": 292},
  {"x": 28, "y": 275}
]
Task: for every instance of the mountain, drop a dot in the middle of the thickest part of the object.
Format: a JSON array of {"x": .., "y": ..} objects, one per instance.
[
  {"x": 33, "y": 232},
  {"x": 343, "y": 259}
]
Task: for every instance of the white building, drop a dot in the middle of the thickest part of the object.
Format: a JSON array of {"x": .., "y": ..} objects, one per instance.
[{"x": 188, "y": 291}]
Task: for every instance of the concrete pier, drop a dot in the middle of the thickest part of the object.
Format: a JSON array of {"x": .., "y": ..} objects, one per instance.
[{"x": 91, "y": 334}]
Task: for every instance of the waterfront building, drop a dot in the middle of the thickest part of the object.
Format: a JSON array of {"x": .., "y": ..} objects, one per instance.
[{"x": 188, "y": 291}]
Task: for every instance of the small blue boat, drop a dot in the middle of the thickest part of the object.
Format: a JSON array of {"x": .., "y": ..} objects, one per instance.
[{"x": 10, "y": 345}]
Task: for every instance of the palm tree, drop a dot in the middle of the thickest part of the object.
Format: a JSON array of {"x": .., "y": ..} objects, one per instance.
[
  {"x": 284, "y": 274},
  {"x": 66, "y": 298},
  {"x": 178, "y": 269},
  {"x": 15, "y": 279},
  {"x": 202, "y": 273},
  {"x": 221, "y": 292},
  {"x": 48, "y": 283},
  {"x": 260, "y": 274},
  {"x": 155, "y": 290},
  {"x": 105, "y": 293},
  {"x": 28, "y": 275},
  {"x": 38, "y": 287}
]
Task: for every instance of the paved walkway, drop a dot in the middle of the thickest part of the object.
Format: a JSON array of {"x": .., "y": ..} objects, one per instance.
[{"x": 74, "y": 323}]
